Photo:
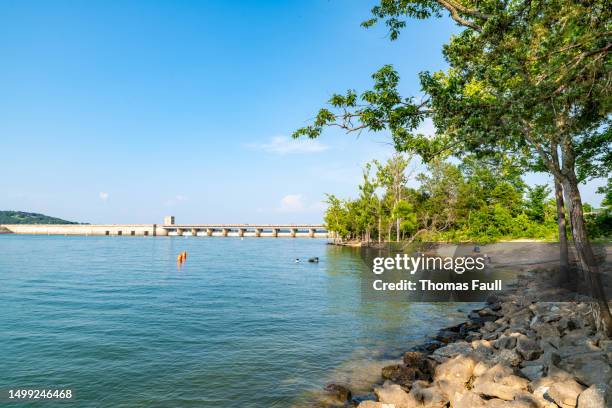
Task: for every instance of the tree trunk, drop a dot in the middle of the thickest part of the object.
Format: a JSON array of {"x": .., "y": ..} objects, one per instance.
[
  {"x": 379, "y": 230},
  {"x": 398, "y": 230},
  {"x": 563, "y": 249},
  {"x": 585, "y": 253}
]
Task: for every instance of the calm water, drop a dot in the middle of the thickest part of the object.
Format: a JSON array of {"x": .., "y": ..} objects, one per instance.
[{"x": 239, "y": 325}]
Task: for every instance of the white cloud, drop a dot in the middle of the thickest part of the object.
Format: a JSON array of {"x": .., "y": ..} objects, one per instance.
[
  {"x": 176, "y": 200},
  {"x": 284, "y": 145},
  {"x": 103, "y": 196},
  {"x": 291, "y": 203}
]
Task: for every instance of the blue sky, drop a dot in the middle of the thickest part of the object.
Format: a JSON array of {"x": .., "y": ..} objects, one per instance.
[{"x": 115, "y": 112}]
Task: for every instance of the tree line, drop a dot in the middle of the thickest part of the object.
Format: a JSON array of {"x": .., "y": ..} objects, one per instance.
[{"x": 474, "y": 201}]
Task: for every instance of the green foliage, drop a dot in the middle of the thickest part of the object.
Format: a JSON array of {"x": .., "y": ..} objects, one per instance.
[
  {"x": 463, "y": 202},
  {"x": 536, "y": 202},
  {"x": 20, "y": 217},
  {"x": 599, "y": 222}
]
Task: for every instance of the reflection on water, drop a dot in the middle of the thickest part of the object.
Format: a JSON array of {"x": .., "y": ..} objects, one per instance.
[{"x": 239, "y": 325}]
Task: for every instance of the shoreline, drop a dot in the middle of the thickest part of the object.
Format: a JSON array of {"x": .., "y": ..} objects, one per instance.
[{"x": 515, "y": 351}]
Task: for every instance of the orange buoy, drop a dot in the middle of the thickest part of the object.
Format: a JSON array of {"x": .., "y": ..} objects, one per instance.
[{"x": 179, "y": 258}]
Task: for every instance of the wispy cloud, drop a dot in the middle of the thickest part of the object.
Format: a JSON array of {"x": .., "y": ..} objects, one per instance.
[
  {"x": 282, "y": 145},
  {"x": 176, "y": 200},
  {"x": 291, "y": 203},
  {"x": 103, "y": 196}
]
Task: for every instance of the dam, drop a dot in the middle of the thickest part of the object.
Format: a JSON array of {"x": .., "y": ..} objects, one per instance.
[{"x": 170, "y": 228}]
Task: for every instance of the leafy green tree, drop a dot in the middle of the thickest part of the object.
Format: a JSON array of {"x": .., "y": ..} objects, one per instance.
[
  {"x": 392, "y": 176},
  {"x": 536, "y": 202},
  {"x": 530, "y": 77}
]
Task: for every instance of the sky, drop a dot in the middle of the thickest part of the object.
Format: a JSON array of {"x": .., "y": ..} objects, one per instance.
[{"x": 124, "y": 112}]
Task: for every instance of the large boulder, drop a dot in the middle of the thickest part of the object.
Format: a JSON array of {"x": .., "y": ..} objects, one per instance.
[
  {"x": 565, "y": 393},
  {"x": 596, "y": 396},
  {"x": 499, "y": 382},
  {"x": 457, "y": 370},
  {"x": 428, "y": 395},
  {"x": 394, "y": 394}
]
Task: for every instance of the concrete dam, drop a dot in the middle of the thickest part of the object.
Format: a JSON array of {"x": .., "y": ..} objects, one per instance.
[{"x": 169, "y": 228}]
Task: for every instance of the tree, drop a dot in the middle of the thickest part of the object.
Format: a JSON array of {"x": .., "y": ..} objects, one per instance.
[
  {"x": 528, "y": 76},
  {"x": 536, "y": 202},
  {"x": 392, "y": 175}
]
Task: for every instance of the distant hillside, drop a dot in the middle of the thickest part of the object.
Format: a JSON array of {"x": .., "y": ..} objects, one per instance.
[{"x": 20, "y": 217}]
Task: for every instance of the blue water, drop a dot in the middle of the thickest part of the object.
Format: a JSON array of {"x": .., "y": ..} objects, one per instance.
[{"x": 239, "y": 325}]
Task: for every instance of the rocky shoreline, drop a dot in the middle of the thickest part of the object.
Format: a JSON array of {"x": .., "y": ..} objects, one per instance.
[{"x": 514, "y": 352}]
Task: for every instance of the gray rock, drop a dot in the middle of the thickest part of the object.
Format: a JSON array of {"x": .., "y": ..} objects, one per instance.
[
  {"x": 528, "y": 348},
  {"x": 505, "y": 342},
  {"x": 506, "y": 357},
  {"x": 546, "y": 331},
  {"x": 596, "y": 396},
  {"x": 490, "y": 326},
  {"x": 565, "y": 394},
  {"x": 453, "y": 349},
  {"x": 588, "y": 370},
  {"x": 533, "y": 372}
]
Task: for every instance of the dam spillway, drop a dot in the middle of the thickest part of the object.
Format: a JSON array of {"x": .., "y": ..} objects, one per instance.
[{"x": 169, "y": 228}]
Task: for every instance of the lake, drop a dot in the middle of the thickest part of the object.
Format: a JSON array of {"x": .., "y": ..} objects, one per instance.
[{"x": 240, "y": 324}]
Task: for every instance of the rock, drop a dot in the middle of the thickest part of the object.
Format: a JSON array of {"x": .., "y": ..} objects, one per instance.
[
  {"x": 415, "y": 359},
  {"x": 453, "y": 349},
  {"x": 565, "y": 394},
  {"x": 467, "y": 399},
  {"x": 471, "y": 336},
  {"x": 533, "y": 372},
  {"x": 506, "y": 357},
  {"x": 371, "y": 404},
  {"x": 402, "y": 374},
  {"x": 547, "y": 331},
  {"x": 575, "y": 337},
  {"x": 456, "y": 370},
  {"x": 487, "y": 311},
  {"x": 480, "y": 368},
  {"x": 505, "y": 342},
  {"x": 339, "y": 392},
  {"x": 527, "y": 400},
  {"x": 588, "y": 370},
  {"x": 567, "y": 324},
  {"x": 596, "y": 396},
  {"x": 490, "y": 326},
  {"x": 430, "y": 396},
  {"x": 447, "y": 336},
  {"x": 528, "y": 348},
  {"x": 394, "y": 394},
  {"x": 499, "y": 382}
]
